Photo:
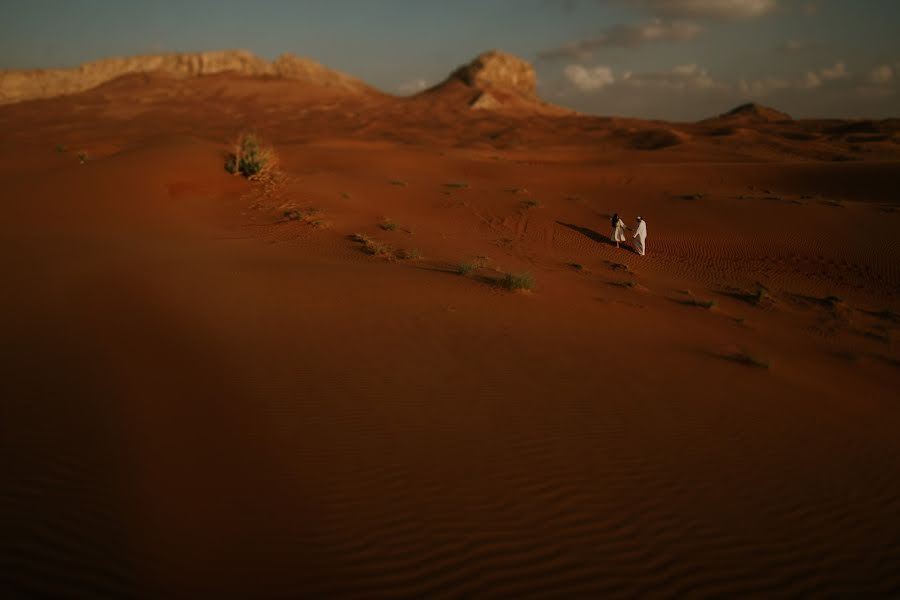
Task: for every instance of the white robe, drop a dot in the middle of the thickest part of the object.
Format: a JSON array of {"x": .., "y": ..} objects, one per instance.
[
  {"x": 640, "y": 238},
  {"x": 619, "y": 231}
]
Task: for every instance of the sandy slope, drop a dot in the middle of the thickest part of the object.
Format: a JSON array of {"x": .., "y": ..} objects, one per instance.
[{"x": 203, "y": 400}]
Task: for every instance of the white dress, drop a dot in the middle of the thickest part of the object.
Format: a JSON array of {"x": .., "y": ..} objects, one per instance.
[
  {"x": 640, "y": 238},
  {"x": 619, "y": 231}
]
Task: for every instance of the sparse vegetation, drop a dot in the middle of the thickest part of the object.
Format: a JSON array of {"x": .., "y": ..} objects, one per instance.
[
  {"x": 707, "y": 304},
  {"x": 577, "y": 266},
  {"x": 466, "y": 268},
  {"x": 478, "y": 262},
  {"x": 531, "y": 203},
  {"x": 388, "y": 225},
  {"x": 372, "y": 246},
  {"x": 459, "y": 185},
  {"x": 520, "y": 281},
  {"x": 399, "y": 183},
  {"x": 303, "y": 214},
  {"x": 625, "y": 284},
  {"x": 379, "y": 249},
  {"x": 346, "y": 195},
  {"x": 83, "y": 156},
  {"x": 749, "y": 360},
  {"x": 249, "y": 158},
  {"x": 411, "y": 254},
  {"x": 60, "y": 148}
]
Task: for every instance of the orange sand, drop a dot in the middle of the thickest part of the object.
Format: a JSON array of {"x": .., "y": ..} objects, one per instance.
[{"x": 201, "y": 399}]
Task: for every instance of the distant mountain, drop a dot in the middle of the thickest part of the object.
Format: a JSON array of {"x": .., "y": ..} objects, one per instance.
[
  {"x": 17, "y": 86},
  {"x": 495, "y": 81},
  {"x": 755, "y": 113}
]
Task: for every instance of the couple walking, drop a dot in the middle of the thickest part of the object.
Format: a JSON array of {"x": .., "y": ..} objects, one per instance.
[{"x": 640, "y": 234}]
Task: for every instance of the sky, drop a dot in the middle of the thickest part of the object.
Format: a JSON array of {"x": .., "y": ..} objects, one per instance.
[{"x": 662, "y": 59}]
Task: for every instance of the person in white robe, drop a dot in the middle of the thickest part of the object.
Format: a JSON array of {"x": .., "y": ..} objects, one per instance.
[
  {"x": 640, "y": 237},
  {"x": 619, "y": 228}
]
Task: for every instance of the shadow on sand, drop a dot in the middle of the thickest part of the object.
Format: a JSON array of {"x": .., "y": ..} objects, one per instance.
[{"x": 597, "y": 237}]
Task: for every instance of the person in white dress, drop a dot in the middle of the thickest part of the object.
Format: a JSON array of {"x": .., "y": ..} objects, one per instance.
[
  {"x": 640, "y": 237},
  {"x": 619, "y": 228}
]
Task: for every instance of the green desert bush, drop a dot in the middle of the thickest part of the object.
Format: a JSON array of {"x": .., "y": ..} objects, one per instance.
[
  {"x": 249, "y": 158},
  {"x": 388, "y": 225},
  {"x": 707, "y": 304},
  {"x": 466, "y": 268},
  {"x": 531, "y": 203},
  {"x": 520, "y": 281}
]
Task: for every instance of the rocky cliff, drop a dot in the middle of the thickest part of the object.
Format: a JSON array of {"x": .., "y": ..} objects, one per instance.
[{"x": 16, "y": 86}]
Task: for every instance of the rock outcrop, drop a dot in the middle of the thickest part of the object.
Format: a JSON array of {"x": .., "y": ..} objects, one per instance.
[
  {"x": 494, "y": 81},
  {"x": 16, "y": 86},
  {"x": 497, "y": 69},
  {"x": 754, "y": 112}
]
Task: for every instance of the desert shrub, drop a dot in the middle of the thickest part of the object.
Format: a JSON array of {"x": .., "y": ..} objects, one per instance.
[
  {"x": 60, "y": 148},
  {"x": 531, "y": 203},
  {"x": 83, "y": 157},
  {"x": 388, "y": 225},
  {"x": 466, "y": 268},
  {"x": 707, "y": 304},
  {"x": 521, "y": 281},
  {"x": 411, "y": 254},
  {"x": 459, "y": 185},
  {"x": 749, "y": 360},
  {"x": 249, "y": 158}
]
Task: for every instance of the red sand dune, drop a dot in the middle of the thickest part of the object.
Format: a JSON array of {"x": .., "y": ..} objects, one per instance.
[{"x": 202, "y": 398}]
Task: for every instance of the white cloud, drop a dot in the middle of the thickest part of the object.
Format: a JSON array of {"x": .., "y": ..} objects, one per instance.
[
  {"x": 712, "y": 9},
  {"x": 412, "y": 87},
  {"x": 627, "y": 36},
  {"x": 589, "y": 79},
  {"x": 810, "y": 81},
  {"x": 680, "y": 78},
  {"x": 838, "y": 71},
  {"x": 882, "y": 74}
]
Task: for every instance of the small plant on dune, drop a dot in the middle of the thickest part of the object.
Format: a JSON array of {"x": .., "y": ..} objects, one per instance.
[
  {"x": 577, "y": 266},
  {"x": 624, "y": 284},
  {"x": 83, "y": 157},
  {"x": 707, "y": 304},
  {"x": 379, "y": 249},
  {"x": 399, "y": 183},
  {"x": 514, "y": 282},
  {"x": 530, "y": 203},
  {"x": 749, "y": 360},
  {"x": 249, "y": 158},
  {"x": 304, "y": 214},
  {"x": 459, "y": 185},
  {"x": 373, "y": 247},
  {"x": 388, "y": 225},
  {"x": 60, "y": 148},
  {"x": 346, "y": 196},
  {"x": 411, "y": 254},
  {"x": 466, "y": 268}
]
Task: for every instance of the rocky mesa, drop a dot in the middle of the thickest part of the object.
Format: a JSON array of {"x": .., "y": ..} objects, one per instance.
[{"x": 17, "y": 86}]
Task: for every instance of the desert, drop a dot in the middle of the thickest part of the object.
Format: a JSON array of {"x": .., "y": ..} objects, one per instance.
[{"x": 405, "y": 358}]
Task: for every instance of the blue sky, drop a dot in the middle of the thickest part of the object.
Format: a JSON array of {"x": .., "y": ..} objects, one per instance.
[{"x": 672, "y": 59}]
